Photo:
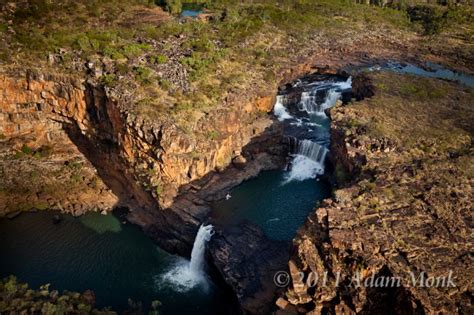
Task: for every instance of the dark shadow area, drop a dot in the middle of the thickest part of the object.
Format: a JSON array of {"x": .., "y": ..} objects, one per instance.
[
  {"x": 390, "y": 299},
  {"x": 175, "y": 228}
]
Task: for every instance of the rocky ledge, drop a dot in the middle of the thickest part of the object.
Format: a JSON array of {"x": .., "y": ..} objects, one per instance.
[{"x": 397, "y": 236}]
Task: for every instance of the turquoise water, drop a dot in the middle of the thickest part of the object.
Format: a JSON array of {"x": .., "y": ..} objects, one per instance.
[
  {"x": 100, "y": 253},
  {"x": 278, "y": 208},
  {"x": 279, "y": 201},
  {"x": 191, "y": 9}
]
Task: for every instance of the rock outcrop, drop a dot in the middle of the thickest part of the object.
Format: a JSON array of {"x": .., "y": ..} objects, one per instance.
[
  {"x": 396, "y": 237},
  {"x": 41, "y": 168},
  {"x": 249, "y": 261},
  {"x": 143, "y": 162},
  {"x": 165, "y": 176}
]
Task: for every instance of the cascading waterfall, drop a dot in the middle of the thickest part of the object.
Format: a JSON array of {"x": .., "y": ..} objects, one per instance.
[
  {"x": 280, "y": 110},
  {"x": 308, "y": 161},
  {"x": 185, "y": 275},
  {"x": 309, "y": 156},
  {"x": 309, "y": 103},
  {"x": 312, "y": 150}
]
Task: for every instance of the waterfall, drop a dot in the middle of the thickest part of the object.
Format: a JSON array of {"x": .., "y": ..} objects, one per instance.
[
  {"x": 308, "y": 161},
  {"x": 186, "y": 275},
  {"x": 309, "y": 103},
  {"x": 312, "y": 150},
  {"x": 309, "y": 156},
  {"x": 280, "y": 110},
  {"x": 196, "y": 265}
]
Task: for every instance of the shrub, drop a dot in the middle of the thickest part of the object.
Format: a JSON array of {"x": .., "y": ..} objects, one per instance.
[
  {"x": 213, "y": 135},
  {"x": 26, "y": 150},
  {"x": 143, "y": 74},
  {"x": 83, "y": 43},
  {"x": 158, "y": 190},
  {"x": 135, "y": 50},
  {"x": 174, "y": 6},
  {"x": 108, "y": 79},
  {"x": 113, "y": 53},
  {"x": 165, "y": 84},
  {"x": 431, "y": 18},
  {"x": 122, "y": 68},
  {"x": 159, "y": 59}
]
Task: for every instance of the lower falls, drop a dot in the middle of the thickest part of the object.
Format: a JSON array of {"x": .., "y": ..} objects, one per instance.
[{"x": 118, "y": 262}]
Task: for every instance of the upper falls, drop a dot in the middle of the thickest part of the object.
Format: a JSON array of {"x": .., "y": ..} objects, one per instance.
[{"x": 304, "y": 120}]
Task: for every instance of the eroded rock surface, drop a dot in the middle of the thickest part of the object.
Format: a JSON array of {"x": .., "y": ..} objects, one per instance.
[
  {"x": 249, "y": 261},
  {"x": 404, "y": 158}
]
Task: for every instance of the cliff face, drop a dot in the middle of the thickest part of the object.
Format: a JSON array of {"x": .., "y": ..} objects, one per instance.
[
  {"x": 399, "y": 228},
  {"x": 41, "y": 167},
  {"x": 143, "y": 162}
]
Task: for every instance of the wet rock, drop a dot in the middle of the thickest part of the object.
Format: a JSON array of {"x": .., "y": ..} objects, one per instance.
[
  {"x": 56, "y": 219},
  {"x": 248, "y": 262}
]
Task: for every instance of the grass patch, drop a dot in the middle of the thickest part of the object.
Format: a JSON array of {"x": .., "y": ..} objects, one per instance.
[{"x": 213, "y": 135}]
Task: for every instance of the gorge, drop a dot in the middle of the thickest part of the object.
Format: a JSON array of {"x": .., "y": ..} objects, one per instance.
[
  {"x": 308, "y": 161},
  {"x": 177, "y": 162}
]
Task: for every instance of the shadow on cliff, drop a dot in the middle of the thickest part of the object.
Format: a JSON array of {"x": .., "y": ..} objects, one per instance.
[
  {"x": 242, "y": 256},
  {"x": 99, "y": 145}
]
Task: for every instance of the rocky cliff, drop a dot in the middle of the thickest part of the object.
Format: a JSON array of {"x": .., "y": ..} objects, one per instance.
[
  {"x": 396, "y": 238},
  {"x": 143, "y": 162},
  {"x": 165, "y": 176},
  {"x": 164, "y": 116},
  {"x": 41, "y": 167}
]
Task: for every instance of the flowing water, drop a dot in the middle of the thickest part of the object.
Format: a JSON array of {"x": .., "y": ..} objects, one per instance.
[
  {"x": 429, "y": 70},
  {"x": 117, "y": 261},
  {"x": 187, "y": 275},
  {"x": 279, "y": 201}
]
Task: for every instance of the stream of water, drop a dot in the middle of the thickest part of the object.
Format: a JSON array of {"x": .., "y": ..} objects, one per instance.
[
  {"x": 279, "y": 201},
  {"x": 429, "y": 70},
  {"x": 117, "y": 261}
]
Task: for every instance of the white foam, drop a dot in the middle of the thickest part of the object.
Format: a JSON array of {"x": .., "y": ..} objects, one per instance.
[
  {"x": 280, "y": 111},
  {"x": 304, "y": 168},
  {"x": 185, "y": 275},
  {"x": 181, "y": 278}
]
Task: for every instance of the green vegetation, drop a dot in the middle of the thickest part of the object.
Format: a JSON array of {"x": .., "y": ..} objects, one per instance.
[
  {"x": 174, "y": 6},
  {"x": 213, "y": 135},
  {"x": 41, "y": 152},
  {"x": 25, "y": 149},
  {"x": 158, "y": 190},
  {"x": 108, "y": 79},
  {"x": 18, "y": 298},
  {"x": 434, "y": 19},
  {"x": 409, "y": 108},
  {"x": 243, "y": 45},
  {"x": 143, "y": 75},
  {"x": 159, "y": 59}
]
